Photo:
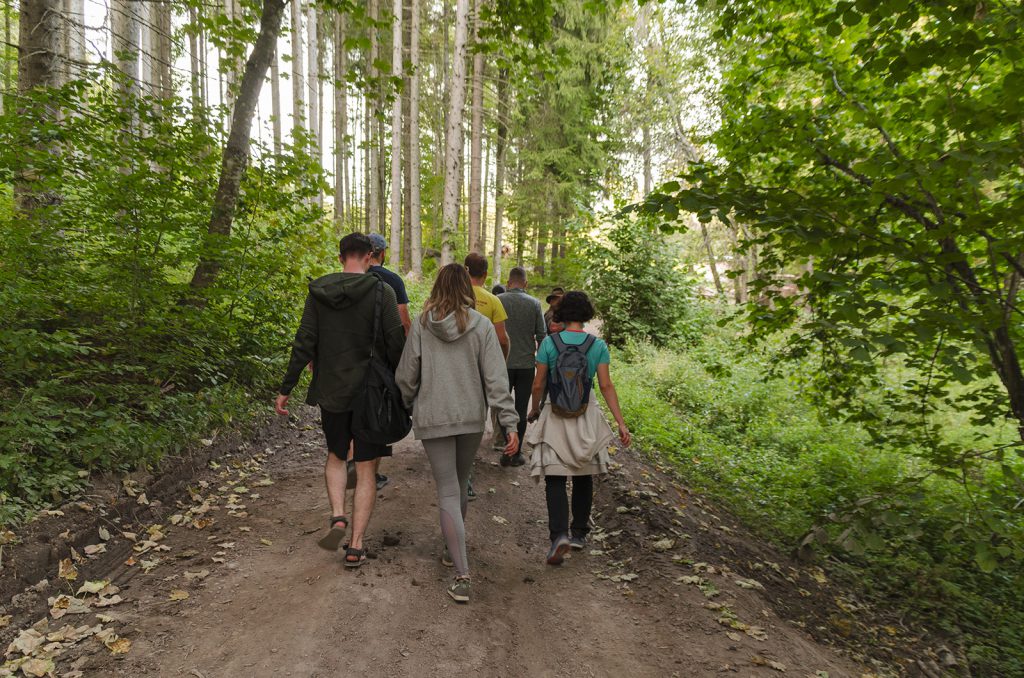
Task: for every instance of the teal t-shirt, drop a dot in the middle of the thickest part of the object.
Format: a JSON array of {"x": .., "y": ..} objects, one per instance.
[{"x": 597, "y": 355}]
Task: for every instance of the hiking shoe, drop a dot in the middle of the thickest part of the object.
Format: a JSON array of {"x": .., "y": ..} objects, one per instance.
[
  {"x": 446, "y": 558},
  {"x": 470, "y": 493},
  {"x": 578, "y": 542},
  {"x": 516, "y": 459},
  {"x": 459, "y": 590},
  {"x": 382, "y": 480},
  {"x": 503, "y": 458},
  {"x": 560, "y": 545}
]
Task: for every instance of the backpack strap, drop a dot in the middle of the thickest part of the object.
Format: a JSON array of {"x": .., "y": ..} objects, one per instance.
[
  {"x": 587, "y": 343},
  {"x": 377, "y": 321},
  {"x": 560, "y": 345}
]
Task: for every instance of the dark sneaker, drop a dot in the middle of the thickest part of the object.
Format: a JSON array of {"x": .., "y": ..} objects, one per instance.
[
  {"x": 559, "y": 547},
  {"x": 516, "y": 459},
  {"x": 578, "y": 543},
  {"x": 382, "y": 480},
  {"x": 459, "y": 590},
  {"x": 504, "y": 459},
  {"x": 470, "y": 493},
  {"x": 446, "y": 558}
]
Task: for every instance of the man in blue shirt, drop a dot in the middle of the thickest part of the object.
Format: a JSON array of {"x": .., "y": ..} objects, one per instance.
[{"x": 377, "y": 258}]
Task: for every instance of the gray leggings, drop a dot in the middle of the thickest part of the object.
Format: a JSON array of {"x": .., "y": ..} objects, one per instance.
[{"x": 451, "y": 460}]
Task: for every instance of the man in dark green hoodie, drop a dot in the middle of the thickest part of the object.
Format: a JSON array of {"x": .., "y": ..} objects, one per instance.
[{"x": 334, "y": 335}]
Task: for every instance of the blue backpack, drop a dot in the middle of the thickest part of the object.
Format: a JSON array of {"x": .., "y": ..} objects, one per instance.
[{"x": 569, "y": 383}]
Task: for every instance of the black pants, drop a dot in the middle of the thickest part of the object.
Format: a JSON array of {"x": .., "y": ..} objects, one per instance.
[
  {"x": 558, "y": 504},
  {"x": 520, "y": 384}
]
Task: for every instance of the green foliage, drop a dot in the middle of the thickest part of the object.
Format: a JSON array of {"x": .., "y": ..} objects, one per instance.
[
  {"x": 633, "y": 280},
  {"x": 105, "y": 361},
  {"x": 778, "y": 459}
]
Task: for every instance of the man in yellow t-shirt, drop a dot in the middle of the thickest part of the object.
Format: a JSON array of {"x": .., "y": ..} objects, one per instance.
[{"x": 486, "y": 303}]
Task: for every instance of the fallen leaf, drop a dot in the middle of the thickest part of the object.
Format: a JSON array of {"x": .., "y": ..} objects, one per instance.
[
  {"x": 142, "y": 500},
  {"x": 265, "y": 482},
  {"x": 178, "y": 594},
  {"x": 130, "y": 536},
  {"x": 202, "y": 523},
  {"x": 104, "y": 533},
  {"x": 196, "y": 576},
  {"x": 756, "y": 632},
  {"x": 64, "y": 604},
  {"x": 107, "y": 601},
  {"x": 148, "y": 565},
  {"x": 266, "y": 542},
  {"x": 749, "y": 584},
  {"x": 499, "y": 520},
  {"x": 38, "y": 667},
  {"x": 226, "y": 545},
  {"x": 119, "y": 645},
  {"x": 95, "y": 549},
  {"x": 27, "y": 642},
  {"x": 176, "y": 519},
  {"x": 93, "y": 586},
  {"x": 663, "y": 545},
  {"x": 5, "y": 620},
  {"x": 690, "y": 579},
  {"x": 7, "y": 537},
  {"x": 66, "y": 570},
  {"x": 735, "y": 637}
]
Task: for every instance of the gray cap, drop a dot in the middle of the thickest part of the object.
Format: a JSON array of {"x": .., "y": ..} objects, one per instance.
[{"x": 378, "y": 241}]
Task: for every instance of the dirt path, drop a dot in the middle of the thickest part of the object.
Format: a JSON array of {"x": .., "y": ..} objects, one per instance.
[{"x": 263, "y": 600}]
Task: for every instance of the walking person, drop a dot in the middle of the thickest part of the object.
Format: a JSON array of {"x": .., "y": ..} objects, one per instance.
[
  {"x": 451, "y": 371},
  {"x": 549, "y": 315},
  {"x": 335, "y": 335},
  {"x": 526, "y": 330},
  {"x": 571, "y": 436}
]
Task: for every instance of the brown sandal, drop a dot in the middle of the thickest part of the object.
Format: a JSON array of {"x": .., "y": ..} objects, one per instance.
[{"x": 335, "y": 535}]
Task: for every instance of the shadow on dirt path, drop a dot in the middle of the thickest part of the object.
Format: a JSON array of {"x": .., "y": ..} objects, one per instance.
[{"x": 232, "y": 584}]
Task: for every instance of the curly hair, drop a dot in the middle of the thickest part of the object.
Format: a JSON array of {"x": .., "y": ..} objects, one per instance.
[{"x": 574, "y": 306}]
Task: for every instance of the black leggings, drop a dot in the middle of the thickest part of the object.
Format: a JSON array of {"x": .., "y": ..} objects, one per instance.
[
  {"x": 520, "y": 384},
  {"x": 558, "y": 504}
]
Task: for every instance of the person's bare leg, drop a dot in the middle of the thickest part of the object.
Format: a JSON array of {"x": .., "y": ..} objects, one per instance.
[
  {"x": 336, "y": 479},
  {"x": 365, "y": 496}
]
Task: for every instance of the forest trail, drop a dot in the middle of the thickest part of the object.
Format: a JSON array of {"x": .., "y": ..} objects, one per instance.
[{"x": 263, "y": 600}]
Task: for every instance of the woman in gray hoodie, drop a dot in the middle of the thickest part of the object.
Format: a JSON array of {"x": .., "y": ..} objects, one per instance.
[{"x": 451, "y": 372}]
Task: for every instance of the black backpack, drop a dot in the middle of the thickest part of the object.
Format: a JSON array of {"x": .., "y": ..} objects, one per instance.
[
  {"x": 380, "y": 416},
  {"x": 569, "y": 383}
]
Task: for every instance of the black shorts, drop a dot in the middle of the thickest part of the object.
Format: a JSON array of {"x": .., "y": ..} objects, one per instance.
[{"x": 338, "y": 431}]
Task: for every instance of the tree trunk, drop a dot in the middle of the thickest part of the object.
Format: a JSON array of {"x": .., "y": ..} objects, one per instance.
[
  {"x": 39, "y": 66},
  {"x": 298, "y": 81},
  {"x": 372, "y": 115},
  {"x": 542, "y": 245},
  {"x": 406, "y": 165},
  {"x": 125, "y": 46},
  {"x": 453, "y": 135},
  {"x": 476, "y": 136},
  {"x": 236, "y": 152},
  {"x": 738, "y": 264},
  {"x": 275, "y": 102},
  {"x": 648, "y": 175},
  {"x": 415, "y": 229},
  {"x": 396, "y": 133},
  {"x": 74, "y": 38},
  {"x": 483, "y": 201},
  {"x": 711, "y": 259},
  {"x": 340, "y": 120},
  {"x": 313, "y": 90},
  {"x": 499, "y": 169}
]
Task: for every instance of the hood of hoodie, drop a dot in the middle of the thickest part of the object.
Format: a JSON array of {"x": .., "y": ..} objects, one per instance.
[
  {"x": 341, "y": 290},
  {"x": 447, "y": 329}
]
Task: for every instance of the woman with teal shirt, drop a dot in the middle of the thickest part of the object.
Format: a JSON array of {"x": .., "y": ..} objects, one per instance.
[{"x": 572, "y": 446}]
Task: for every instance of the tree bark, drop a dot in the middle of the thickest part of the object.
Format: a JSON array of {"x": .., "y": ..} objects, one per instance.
[
  {"x": 275, "y": 102},
  {"x": 415, "y": 228},
  {"x": 406, "y": 165},
  {"x": 396, "y": 133},
  {"x": 313, "y": 90},
  {"x": 453, "y": 135},
  {"x": 499, "y": 169},
  {"x": 711, "y": 259},
  {"x": 236, "y": 152},
  {"x": 298, "y": 80},
  {"x": 476, "y": 137},
  {"x": 372, "y": 115},
  {"x": 340, "y": 120}
]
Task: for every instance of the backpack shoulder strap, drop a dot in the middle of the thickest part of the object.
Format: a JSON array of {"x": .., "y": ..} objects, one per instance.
[
  {"x": 587, "y": 343},
  {"x": 560, "y": 345},
  {"x": 377, "y": 321}
]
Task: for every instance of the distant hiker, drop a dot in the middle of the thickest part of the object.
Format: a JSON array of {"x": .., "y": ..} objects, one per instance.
[
  {"x": 552, "y": 301},
  {"x": 526, "y": 330},
  {"x": 377, "y": 259},
  {"x": 335, "y": 334},
  {"x": 489, "y": 306},
  {"x": 571, "y": 436},
  {"x": 451, "y": 371},
  {"x": 498, "y": 290}
]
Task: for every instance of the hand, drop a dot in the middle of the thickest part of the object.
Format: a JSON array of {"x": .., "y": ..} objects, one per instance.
[
  {"x": 512, "y": 446},
  {"x": 625, "y": 437},
  {"x": 281, "y": 404},
  {"x": 533, "y": 416}
]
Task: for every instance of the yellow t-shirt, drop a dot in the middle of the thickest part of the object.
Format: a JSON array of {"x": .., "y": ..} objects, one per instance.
[{"x": 489, "y": 305}]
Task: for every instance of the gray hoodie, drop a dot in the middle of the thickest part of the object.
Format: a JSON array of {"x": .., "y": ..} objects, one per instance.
[{"x": 449, "y": 379}]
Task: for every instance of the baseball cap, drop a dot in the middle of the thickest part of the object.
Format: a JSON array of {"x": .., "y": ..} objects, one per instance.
[
  {"x": 378, "y": 241},
  {"x": 556, "y": 293}
]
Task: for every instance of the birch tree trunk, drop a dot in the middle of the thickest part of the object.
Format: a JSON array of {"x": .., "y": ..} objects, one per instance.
[
  {"x": 74, "y": 39},
  {"x": 340, "y": 120},
  {"x": 476, "y": 136},
  {"x": 415, "y": 228},
  {"x": 125, "y": 46},
  {"x": 275, "y": 101},
  {"x": 711, "y": 259},
  {"x": 298, "y": 81},
  {"x": 313, "y": 89},
  {"x": 453, "y": 134},
  {"x": 195, "y": 67},
  {"x": 396, "y": 133},
  {"x": 499, "y": 169},
  {"x": 163, "y": 84},
  {"x": 236, "y": 152}
]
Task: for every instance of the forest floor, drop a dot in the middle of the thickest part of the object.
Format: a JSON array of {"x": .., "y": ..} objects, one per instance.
[{"x": 222, "y": 577}]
